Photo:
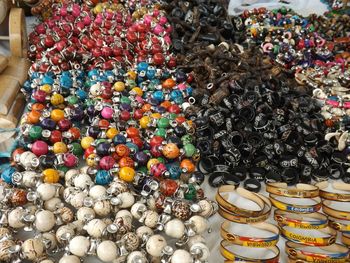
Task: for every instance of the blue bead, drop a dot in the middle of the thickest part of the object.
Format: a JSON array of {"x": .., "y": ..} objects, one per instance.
[
  {"x": 6, "y": 175},
  {"x": 81, "y": 94},
  {"x": 142, "y": 66},
  {"x": 151, "y": 72},
  {"x": 103, "y": 177},
  {"x": 158, "y": 95},
  {"x": 47, "y": 80},
  {"x": 119, "y": 139},
  {"x": 27, "y": 85},
  {"x": 174, "y": 170},
  {"x": 133, "y": 147},
  {"x": 175, "y": 94},
  {"x": 189, "y": 91},
  {"x": 66, "y": 82},
  {"x": 92, "y": 73}
]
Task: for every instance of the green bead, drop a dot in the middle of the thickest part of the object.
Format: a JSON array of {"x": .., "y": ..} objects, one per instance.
[
  {"x": 191, "y": 192},
  {"x": 276, "y": 49},
  {"x": 190, "y": 150},
  {"x": 130, "y": 83},
  {"x": 72, "y": 100},
  {"x": 311, "y": 28},
  {"x": 97, "y": 141},
  {"x": 35, "y": 132},
  {"x": 163, "y": 123},
  {"x": 160, "y": 132},
  {"x": 125, "y": 100},
  {"x": 172, "y": 116},
  {"x": 187, "y": 139},
  {"x": 283, "y": 10},
  {"x": 142, "y": 169},
  {"x": 77, "y": 149},
  {"x": 161, "y": 159},
  {"x": 63, "y": 168}
]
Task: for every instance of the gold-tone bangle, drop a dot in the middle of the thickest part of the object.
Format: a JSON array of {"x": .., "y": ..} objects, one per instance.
[
  {"x": 335, "y": 196},
  {"x": 332, "y": 253},
  {"x": 319, "y": 260},
  {"x": 270, "y": 241},
  {"x": 327, "y": 209},
  {"x": 248, "y": 220},
  {"x": 229, "y": 255},
  {"x": 304, "y": 221},
  {"x": 338, "y": 225},
  {"x": 222, "y": 195},
  {"x": 345, "y": 239},
  {"x": 295, "y": 208},
  {"x": 311, "y": 240},
  {"x": 299, "y": 191}
]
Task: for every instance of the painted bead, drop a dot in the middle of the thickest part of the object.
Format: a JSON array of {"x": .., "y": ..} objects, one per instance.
[
  {"x": 97, "y": 191},
  {"x": 155, "y": 245},
  {"x": 66, "y": 214},
  {"x": 107, "y": 251},
  {"x": 18, "y": 197},
  {"x": 46, "y": 191},
  {"x": 151, "y": 218},
  {"x": 127, "y": 174},
  {"x": 175, "y": 228},
  {"x": 51, "y": 176},
  {"x": 82, "y": 181},
  {"x": 4, "y": 250},
  {"x": 131, "y": 241},
  {"x": 44, "y": 221},
  {"x": 39, "y": 148},
  {"x": 181, "y": 210},
  {"x": 32, "y": 249},
  {"x": 144, "y": 231},
  {"x": 102, "y": 207},
  {"x": 79, "y": 245},
  {"x": 95, "y": 228},
  {"x": 85, "y": 213},
  {"x": 168, "y": 187},
  {"x": 127, "y": 199},
  {"x": 14, "y": 218},
  {"x": 206, "y": 208}
]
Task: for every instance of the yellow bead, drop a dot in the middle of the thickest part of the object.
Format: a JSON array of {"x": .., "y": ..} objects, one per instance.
[
  {"x": 91, "y": 160},
  {"x": 156, "y": 115},
  {"x": 51, "y": 176},
  {"x": 144, "y": 121},
  {"x": 119, "y": 86},
  {"x": 86, "y": 142},
  {"x": 57, "y": 115},
  {"x": 111, "y": 133},
  {"x": 138, "y": 91},
  {"x": 60, "y": 147},
  {"x": 46, "y": 88},
  {"x": 152, "y": 162},
  {"x": 132, "y": 74},
  {"x": 98, "y": 8},
  {"x": 57, "y": 99},
  {"x": 127, "y": 174}
]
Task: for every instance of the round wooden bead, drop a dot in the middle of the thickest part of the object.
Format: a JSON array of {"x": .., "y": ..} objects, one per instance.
[
  {"x": 32, "y": 249},
  {"x": 69, "y": 259},
  {"x": 82, "y": 181},
  {"x": 136, "y": 210},
  {"x": 79, "y": 245},
  {"x": 181, "y": 256},
  {"x": 85, "y": 213},
  {"x": 200, "y": 224},
  {"x": 52, "y": 204},
  {"x": 14, "y": 218},
  {"x": 95, "y": 228},
  {"x": 206, "y": 208},
  {"x": 18, "y": 197},
  {"x": 127, "y": 199},
  {"x": 44, "y": 221},
  {"x": 46, "y": 191},
  {"x": 69, "y": 174},
  {"x": 4, "y": 250},
  {"x": 131, "y": 241},
  {"x": 52, "y": 238},
  {"x": 107, "y": 251},
  {"x": 175, "y": 228},
  {"x": 66, "y": 214},
  {"x": 64, "y": 232},
  {"x": 124, "y": 214},
  {"x": 102, "y": 207},
  {"x": 78, "y": 199},
  {"x": 97, "y": 191},
  {"x": 144, "y": 230},
  {"x": 195, "y": 239},
  {"x": 155, "y": 245},
  {"x": 151, "y": 219}
]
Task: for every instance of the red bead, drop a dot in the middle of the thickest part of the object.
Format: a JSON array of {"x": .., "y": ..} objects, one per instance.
[
  {"x": 39, "y": 96},
  {"x": 174, "y": 108},
  {"x": 158, "y": 59},
  {"x": 64, "y": 124},
  {"x": 70, "y": 160},
  {"x": 168, "y": 187},
  {"x": 126, "y": 162},
  {"x": 107, "y": 162},
  {"x": 138, "y": 114},
  {"x": 131, "y": 37},
  {"x": 103, "y": 124},
  {"x": 107, "y": 93},
  {"x": 172, "y": 62},
  {"x": 158, "y": 169},
  {"x": 156, "y": 141},
  {"x": 156, "y": 48},
  {"x": 56, "y": 136},
  {"x": 40, "y": 148},
  {"x": 137, "y": 141},
  {"x": 89, "y": 151},
  {"x": 49, "y": 41},
  {"x": 155, "y": 151},
  {"x": 122, "y": 150},
  {"x": 132, "y": 132},
  {"x": 125, "y": 115}
]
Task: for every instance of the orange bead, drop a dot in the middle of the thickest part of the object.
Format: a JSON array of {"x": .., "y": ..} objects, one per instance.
[
  {"x": 168, "y": 83},
  {"x": 146, "y": 107},
  {"x": 126, "y": 162},
  {"x": 132, "y": 132},
  {"x": 188, "y": 165},
  {"x": 103, "y": 124},
  {"x": 166, "y": 104},
  {"x": 180, "y": 119},
  {"x": 171, "y": 151},
  {"x": 38, "y": 107},
  {"x": 122, "y": 150},
  {"x": 17, "y": 152},
  {"x": 33, "y": 117}
]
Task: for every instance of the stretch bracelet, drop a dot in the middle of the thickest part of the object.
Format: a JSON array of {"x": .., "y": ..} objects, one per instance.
[
  {"x": 332, "y": 252},
  {"x": 327, "y": 209},
  {"x": 339, "y": 225},
  {"x": 300, "y": 191},
  {"x": 230, "y": 236},
  {"x": 334, "y": 196},
  {"x": 304, "y": 221},
  {"x": 295, "y": 208},
  {"x": 345, "y": 239},
  {"x": 222, "y": 195},
  {"x": 229, "y": 255},
  {"x": 311, "y": 240}
]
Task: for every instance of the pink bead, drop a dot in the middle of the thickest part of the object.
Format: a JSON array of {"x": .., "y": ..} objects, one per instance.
[
  {"x": 107, "y": 163},
  {"x": 40, "y": 96},
  {"x": 63, "y": 11},
  {"x": 139, "y": 99},
  {"x": 158, "y": 169},
  {"x": 87, "y": 20},
  {"x": 76, "y": 10},
  {"x": 70, "y": 160},
  {"x": 107, "y": 113},
  {"x": 147, "y": 19},
  {"x": 163, "y": 20},
  {"x": 167, "y": 39},
  {"x": 40, "y": 29},
  {"x": 169, "y": 29},
  {"x": 156, "y": 12},
  {"x": 181, "y": 86},
  {"x": 40, "y": 148},
  {"x": 109, "y": 15},
  {"x": 158, "y": 29},
  {"x": 80, "y": 25}
]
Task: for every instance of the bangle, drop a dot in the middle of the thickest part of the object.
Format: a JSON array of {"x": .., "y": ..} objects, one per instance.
[
  {"x": 303, "y": 221},
  {"x": 230, "y": 235},
  {"x": 310, "y": 240},
  {"x": 231, "y": 179},
  {"x": 337, "y": 225},
  {"x": 229, "y": 255},
  {"x": 345, "y": 239},
  {"x": 328, "y": 210},
  {"x": 295, "y": 208},
  {"x": 332, "y": 252},
  {"x": 342, "y": 197},
  {"x": 248, "y": 220},
  {"x": 221, "y": 198},
  {"x": 300, "y": 191},
  {"x": 252, "y": 185},
  {"x": 320, "y": 260},
  {"x": 216, "y": 178}
]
